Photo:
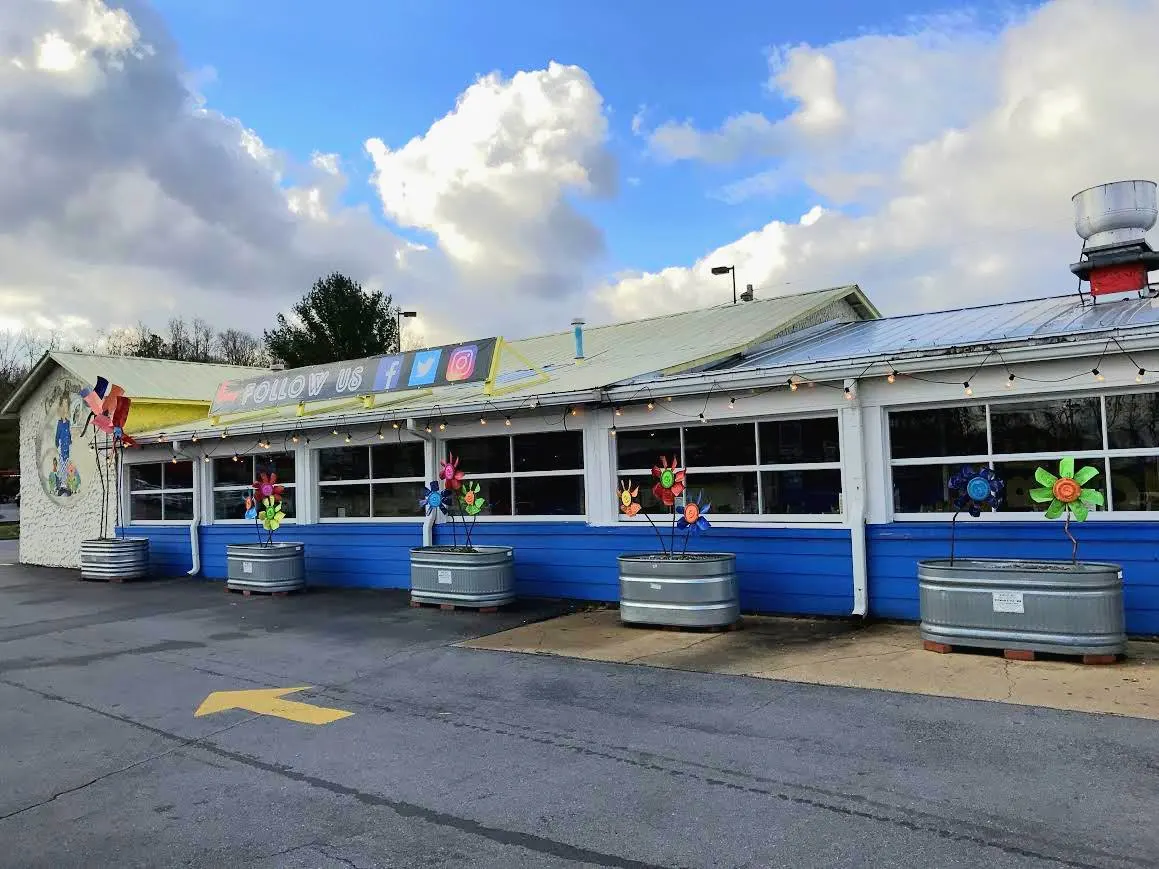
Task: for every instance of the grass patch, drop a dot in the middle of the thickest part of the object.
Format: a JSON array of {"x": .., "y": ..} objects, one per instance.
[{"x": 9, "y": 530}]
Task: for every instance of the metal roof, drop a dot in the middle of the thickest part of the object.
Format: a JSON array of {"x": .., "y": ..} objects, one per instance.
[
  {"x": 1023, "y": 322},
  {"x": 143, "y": 379},
  {"x": 613, "y": 354}
]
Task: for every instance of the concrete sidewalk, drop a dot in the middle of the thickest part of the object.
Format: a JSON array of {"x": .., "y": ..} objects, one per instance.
[{"x": 822, "y": 652}]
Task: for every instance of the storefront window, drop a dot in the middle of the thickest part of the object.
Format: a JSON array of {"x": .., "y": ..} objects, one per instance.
[
  {"x": 540, "y": 474},
  {"x": 233, "y": 479},
  {"x": 384, "y": 481},
  {"x": 160, "y": 491}
]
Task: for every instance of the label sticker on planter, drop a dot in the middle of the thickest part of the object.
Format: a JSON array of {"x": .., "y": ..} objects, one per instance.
[
  {"x": 655, "y": 585},
  {"x": 1007, "y": 601},
  {"x": 247, "y": 567},
  {"x": 444, "y": 577}
]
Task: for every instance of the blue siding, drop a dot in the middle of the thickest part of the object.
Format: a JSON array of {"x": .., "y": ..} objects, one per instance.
[
  {"x": 169, "y": 551},
  {"x": 894, "y": 551},
  {"x": 781, "y": 570}
]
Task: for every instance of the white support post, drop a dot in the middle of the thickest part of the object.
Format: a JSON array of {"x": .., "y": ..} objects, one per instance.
[{"x": 853, "y": 487}]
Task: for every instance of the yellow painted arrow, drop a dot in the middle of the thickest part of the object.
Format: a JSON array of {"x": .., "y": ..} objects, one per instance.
[{"x": 268, "y": 701}]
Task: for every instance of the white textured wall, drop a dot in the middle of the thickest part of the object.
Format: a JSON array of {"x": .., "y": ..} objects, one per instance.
[{"x": 51, "y": 525}]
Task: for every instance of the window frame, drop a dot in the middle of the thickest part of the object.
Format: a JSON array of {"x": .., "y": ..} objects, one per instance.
[
  {"x": 643, "y": 476},
  {"x": 318, "y": 483},
  {"x": 1101, "y": 458},
  {"x": 129, "y": 491},
  {"x": 252, "y": 458},
  {"x": 512, "y": 475}
]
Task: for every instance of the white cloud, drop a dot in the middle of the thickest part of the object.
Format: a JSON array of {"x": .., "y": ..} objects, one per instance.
[{"x": 950, "y": 173}]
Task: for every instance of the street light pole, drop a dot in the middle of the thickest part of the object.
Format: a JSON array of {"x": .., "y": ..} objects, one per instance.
[
  {"x": 723, "y": 270},
  {"x": 398, "y": 330}
]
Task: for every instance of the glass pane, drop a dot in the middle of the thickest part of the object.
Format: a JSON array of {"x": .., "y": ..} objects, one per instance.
[
  {"x": 344, "y": 502},
  {"x": 923, "y": 488},
  {"x": 1132, "y": 422},
  {"x": 802, "y": 491},
  {"x": 1019, "y": 477},
  {"x": 179, "y": 476},
  {"x": 389, "y": 461},
  {"x": 727, "y": 492},
  {"x": 943, "y": 431},
  {"x": 549, "y": 496},
  {"x": 397, "y": 500},
  {"x": 229, "y": 504},
  {"x": 227, "y": 472},
  {"x": 642, "y": 448},
  {"x": 707, "y": 446},
  {"x": 145, "y": 477},
  {"x": 497, "y": 494},
  {"x": 289, "y": 503},
  {"x": 549, "y": 451},
  {"x": 178, "y": 507},
  {"x": 481, "y": 455},
  {"x": 1135, "y": 482},
  {"x": 145, "y": 508},
  {"x": 1057, "y": 426},
  {"x": 281, "y": 464},
  {"x": 800, "y": 440},
  {"x": 344, "y": 463}
]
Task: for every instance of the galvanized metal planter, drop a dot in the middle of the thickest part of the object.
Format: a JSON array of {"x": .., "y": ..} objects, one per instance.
[
  {"x": 277, "y": 567},
  {"x": 483, "y": 577},
  {"x": 697, "y": 590},
  {"x": 1041, "y": 606},
  {"x": 114, "y": 559}
]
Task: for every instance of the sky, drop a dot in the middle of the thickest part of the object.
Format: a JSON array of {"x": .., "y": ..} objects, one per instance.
[{"x": 504, "y": 167}]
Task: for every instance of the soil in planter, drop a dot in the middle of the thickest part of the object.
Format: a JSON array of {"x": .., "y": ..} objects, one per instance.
[
  {"x": 457, "y": 549},
  {"x": 689, "y": 556}
]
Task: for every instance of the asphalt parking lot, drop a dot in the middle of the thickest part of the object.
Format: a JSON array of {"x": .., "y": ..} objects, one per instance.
[{"x": 441, "y": 756}]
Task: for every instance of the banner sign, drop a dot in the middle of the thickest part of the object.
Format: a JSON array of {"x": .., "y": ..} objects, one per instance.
[{"x": 451, "y": 364}]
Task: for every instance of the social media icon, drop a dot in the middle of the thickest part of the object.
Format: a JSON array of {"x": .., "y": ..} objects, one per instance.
[
  {"x": 461, "y": 362},
  {"x": 389, "y": 369},
  {"x": 425, "y": 368}
]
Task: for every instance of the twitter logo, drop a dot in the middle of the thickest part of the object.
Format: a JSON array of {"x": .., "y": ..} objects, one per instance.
[{"x": 425, "y": 368}]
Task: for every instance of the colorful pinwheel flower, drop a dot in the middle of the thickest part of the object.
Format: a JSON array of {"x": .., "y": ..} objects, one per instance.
[
  {"x": 1065, "y": 493},
  {"x": 692, "y": 517},
  {"x": 433, "y": 499},
  {"x": 469, "y": 499},
  {"x": 669, "y": 482},
  {"x": 627, "y": 495},
  {"x": 450, "y": 474},
  {"x": 271, "y": 514},
  {"x": 251, "y": 507},
  {"x": 975, "y": 489},
  {"x": 266, "y": 486}
]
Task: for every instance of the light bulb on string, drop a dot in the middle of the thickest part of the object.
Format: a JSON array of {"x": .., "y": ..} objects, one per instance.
[
  {"x": 619, "y": 411},
  {"x": 1140, "y": 375},
  {"x": 507, "y": 421},
  {"x": 966, "y": 387},
  {"x": 482, "y": 420},
  {"x": 792, "y": 384},
  {"x": 1098, "y": 374},
  {"x": 442, "y": 425},
  {"x": 702, "y": 418},
  {"x": 295, "y": 438},
  {"x": 848, "y": 394},
  {"x": 612, "y": 433},
  {"x": 381, "y": 436},
  {"x": 348, "y": 437},
  {"x": 1010, "y": 382},
  {"x": 193, "y": 438},
  {"x": 731, "y": 402},
  {"x": 428, "y": 428},
  {"x": 394, "y": 425},
  {"x": 206, "y": 460},
  {"x": 892, "y": 376},
  {"x": 651, "y": 406},
  {"x": 334, "y": 432}
]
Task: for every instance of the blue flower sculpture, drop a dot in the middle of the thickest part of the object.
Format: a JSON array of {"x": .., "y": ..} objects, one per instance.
[
  {"x": 433, "y": 499},
  {"x": 692, "y": 516},
  {"x": 974, "y": 489}
]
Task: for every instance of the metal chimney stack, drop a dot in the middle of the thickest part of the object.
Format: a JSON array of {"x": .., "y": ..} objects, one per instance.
[
  {"x": 1113, "y": 220},
  {"x": 577, "y": 326}
]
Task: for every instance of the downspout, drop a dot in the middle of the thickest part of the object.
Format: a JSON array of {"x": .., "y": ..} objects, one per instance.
[
  {"x": 195, "y": 523},
  {"x": 429, "y": 521},
  {"x": 854, "y": 447}
]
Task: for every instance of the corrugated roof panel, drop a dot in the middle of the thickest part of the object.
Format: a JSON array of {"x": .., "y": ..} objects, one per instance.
[{"x": 152, "y": 378}]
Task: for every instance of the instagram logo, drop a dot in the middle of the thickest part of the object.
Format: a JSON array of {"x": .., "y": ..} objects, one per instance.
[{"x": 461, "y": 362}]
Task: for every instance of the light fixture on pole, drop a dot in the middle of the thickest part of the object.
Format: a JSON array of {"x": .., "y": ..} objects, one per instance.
[
  {"x": 399, "y": 316},
  {"x": 724, "y": 270}
]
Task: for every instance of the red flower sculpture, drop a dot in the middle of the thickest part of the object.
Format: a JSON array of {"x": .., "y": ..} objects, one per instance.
[
  {"x": 266, "y": 486},
  {"x": 669, "y": 481},
  {"x": 450, "y": 474}
]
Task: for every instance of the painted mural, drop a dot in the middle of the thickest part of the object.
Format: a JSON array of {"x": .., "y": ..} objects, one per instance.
[{"x": 58, "y": 445}]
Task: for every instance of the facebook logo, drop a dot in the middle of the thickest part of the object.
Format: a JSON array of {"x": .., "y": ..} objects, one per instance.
[{"x": 386, "y": 378}]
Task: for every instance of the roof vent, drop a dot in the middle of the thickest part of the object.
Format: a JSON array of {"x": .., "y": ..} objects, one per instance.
[
  {"x": 747, "y": 295},
  {"x": 577, "y": 326},
  {"x": 1113, "y": 220},
  {"x": 277, "y": 365}
]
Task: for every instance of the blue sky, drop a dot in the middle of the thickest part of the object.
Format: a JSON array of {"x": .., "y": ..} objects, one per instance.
[{"x": 326, "y": 77}]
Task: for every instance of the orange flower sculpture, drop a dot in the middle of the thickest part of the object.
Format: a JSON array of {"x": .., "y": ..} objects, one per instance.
[{"x": 628, "y": 494}]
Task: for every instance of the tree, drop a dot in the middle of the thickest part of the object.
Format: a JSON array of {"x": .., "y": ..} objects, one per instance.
[
  {"x": 336, "y": 320},
  {"x": 239, "y": 348}
]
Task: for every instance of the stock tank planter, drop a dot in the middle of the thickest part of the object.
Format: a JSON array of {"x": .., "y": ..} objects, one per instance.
[
  {"x": 479, "y": 577},
  {"x": 694, "y": 590},
  {"x": 1041, "y": 606},
  {"x": 114, "y": 559},
  {"x": 266, "y": 567}
]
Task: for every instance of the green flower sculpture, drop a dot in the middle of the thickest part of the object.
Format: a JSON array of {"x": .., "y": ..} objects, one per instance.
[
  {"x": 1065, "y": 493},
  {"x": 469, "y": 499},
  {"x": 271, "y": 514}
]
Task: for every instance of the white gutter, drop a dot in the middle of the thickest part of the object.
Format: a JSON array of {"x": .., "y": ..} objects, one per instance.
[
  {"x": 432, "y": 473},
  {"x": 194, "y": 537},
  {"x": 853, "y": 447}
]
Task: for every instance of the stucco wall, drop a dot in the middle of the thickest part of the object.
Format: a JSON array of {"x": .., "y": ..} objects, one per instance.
[{"x": 52, "y": 524}]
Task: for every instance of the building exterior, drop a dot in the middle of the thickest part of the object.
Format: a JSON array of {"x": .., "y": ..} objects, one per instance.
[{"x": 60, "y": 478}]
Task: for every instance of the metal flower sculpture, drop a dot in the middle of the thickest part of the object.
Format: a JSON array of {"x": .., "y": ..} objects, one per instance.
[
  {"x": 251, "y": 507},
  {"x": 1066, "y": 496},
  {"x": 470, "y": 500},
  {"x": 108, "y": 412},
  {"x": 449, "y": 474},
  {"x": 266, "y": 486},
  {"x": 263, "y": 504},
  {"x": 975, "y": 489},
  {"x": 669, "y": 482},
  {"x": 692, "y": 516},
  {"x": 434, "y": 499},
  {"x": 271, "y": 515},
  {"x": 627, "y": 495}
]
